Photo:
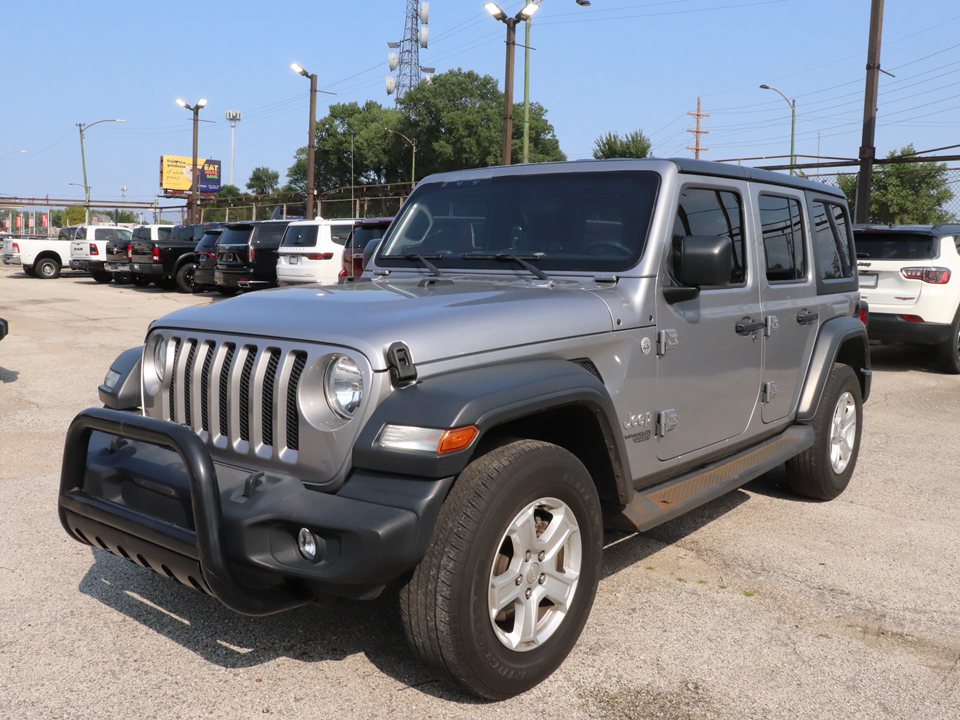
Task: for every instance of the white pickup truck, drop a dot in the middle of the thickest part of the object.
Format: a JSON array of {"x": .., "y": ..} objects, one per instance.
[
  {"x": 88, "y": 251},
  {"x": 39, "y": 257}
]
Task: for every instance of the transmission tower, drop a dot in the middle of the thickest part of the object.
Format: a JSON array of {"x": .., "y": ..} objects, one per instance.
[{"x": 405, "y": 55}]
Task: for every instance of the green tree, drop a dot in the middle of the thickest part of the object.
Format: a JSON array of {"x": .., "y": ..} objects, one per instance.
[
  {"x": 632, "y": 145},
  {"x": 905, "y": 193},
  {"x": 263, "y": 181},
  {"x": 74, "y": 215}
]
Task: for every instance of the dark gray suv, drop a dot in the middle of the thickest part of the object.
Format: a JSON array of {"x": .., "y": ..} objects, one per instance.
[{"x": 533, "y": 353}]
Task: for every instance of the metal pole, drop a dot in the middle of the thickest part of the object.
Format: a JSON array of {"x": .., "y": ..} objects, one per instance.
[
  {"x": 868, "y": 152},
  {"x": 86, "y": 188},
  {"x": 196, "y": 171},
  {"x": 526, "y": 94},
  {"x": 793, "y": 134},
  {"x": 413, "y": 166},
  {"x": 508, "y": 90},
  {"x": 312, "y": 148}
]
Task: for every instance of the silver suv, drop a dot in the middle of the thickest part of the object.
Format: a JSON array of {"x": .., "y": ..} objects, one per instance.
[{"x": 534, "y": 353}]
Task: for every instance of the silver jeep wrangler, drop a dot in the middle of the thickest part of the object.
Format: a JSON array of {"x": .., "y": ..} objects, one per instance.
[{"x": 533, "y": 354}]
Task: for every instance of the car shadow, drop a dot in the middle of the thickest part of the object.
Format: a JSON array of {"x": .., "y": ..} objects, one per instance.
[
  {"x": 8, "y": 376},
  {"x": 904, "y": 358}
]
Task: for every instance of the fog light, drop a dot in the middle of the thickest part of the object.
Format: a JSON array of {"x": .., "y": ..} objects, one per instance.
[{"x": 307, "y": 544}]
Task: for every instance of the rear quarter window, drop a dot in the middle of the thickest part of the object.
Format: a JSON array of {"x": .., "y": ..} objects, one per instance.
[{"x": 300, "y": 236}]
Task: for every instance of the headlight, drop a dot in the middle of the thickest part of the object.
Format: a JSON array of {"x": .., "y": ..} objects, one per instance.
[
  {"x": 160, "y": 357},
  {"x": 343, "y": 386}
]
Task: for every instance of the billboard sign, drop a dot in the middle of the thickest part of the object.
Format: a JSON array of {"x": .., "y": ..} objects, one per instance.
[{"x": 176, "y": 174}]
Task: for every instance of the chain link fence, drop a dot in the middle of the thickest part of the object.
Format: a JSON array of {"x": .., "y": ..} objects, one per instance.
[{"x": 950, "y": 207}]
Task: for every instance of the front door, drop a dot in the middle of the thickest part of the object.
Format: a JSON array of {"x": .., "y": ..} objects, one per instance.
[{"x": 709, "y": 348}]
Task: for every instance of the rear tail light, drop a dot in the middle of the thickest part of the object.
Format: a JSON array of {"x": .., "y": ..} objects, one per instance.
[
  {"x": 864, "y": 312},
  {"x": 253, "y": 254},
  {"x": 129, "y": 252},
  {"x": 358, "y": 265},
  {"x": 319, "y": 256},
  {"x": 341, "y": 275},
  {"x": 913, "y": 318},
  {"x": 93, "y": 250},
  {"x": 156, "y": 255},
  {"x": 16, "y": 248},
  {"x": 932, "y": 275}
]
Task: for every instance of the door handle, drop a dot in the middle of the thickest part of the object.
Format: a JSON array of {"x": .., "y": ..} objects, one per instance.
[
  {"x": 748, "y": 326},
  {"x": 804, "y": 317}
]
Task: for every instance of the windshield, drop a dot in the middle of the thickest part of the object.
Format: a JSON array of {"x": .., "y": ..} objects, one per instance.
[
  {"x": 363, "y": 235},
  {"x": 236, "y": 235},
  {"x": 300, "y": 236},
  {"x": 208, "y": 241},
  {"x": 581, "y": 221},
  {"x": 895, "y": 246}
]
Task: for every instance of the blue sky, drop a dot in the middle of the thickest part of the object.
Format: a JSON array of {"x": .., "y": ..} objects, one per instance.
[{"x": 618, "y": 65}]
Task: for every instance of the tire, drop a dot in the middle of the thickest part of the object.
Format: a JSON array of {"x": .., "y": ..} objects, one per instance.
[
  {"x": 227, "y": 291},
  {"x": 123, "y": 278},
  {"x": 29, "y": 271},
  {"x": 102, "y": 277},
  {"x": 184, "y": 278},
  {"x": 823, "y": 471},
  {"x": 47, "y": 268},
  {"x": 141, "y": 280},
  {"x": 490, "y": 535},
  {"x": 950, "y": 350}
]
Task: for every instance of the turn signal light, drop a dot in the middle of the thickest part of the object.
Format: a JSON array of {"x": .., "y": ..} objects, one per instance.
[{"x": 457, "y": 439}]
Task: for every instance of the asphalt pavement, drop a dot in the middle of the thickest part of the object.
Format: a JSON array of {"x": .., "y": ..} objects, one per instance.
[{"x": 757, "y": 605}]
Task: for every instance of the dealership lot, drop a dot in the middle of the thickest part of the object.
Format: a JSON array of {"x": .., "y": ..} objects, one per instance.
[{"x": 758, "y": 605}]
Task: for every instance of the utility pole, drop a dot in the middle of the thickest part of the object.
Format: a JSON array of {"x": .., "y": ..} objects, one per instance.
[
  {"x": 234, "y": 116},
  {"x": 868, "y": 151},
  {"x": 698, "y": 132}
]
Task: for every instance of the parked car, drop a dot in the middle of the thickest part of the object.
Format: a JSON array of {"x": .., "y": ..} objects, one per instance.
[
  {"x": 247, "y": 255},
  {"x": 88, "y": 251},
  {"x": 534, "y": 352},
  {"x": 310, "y": 251},
  {"x": 39, "y": 257},
  {"x": 363, "y": 232},
  {"x": 910, "y": 274},
  {"x": 205, "y": 260},
  {"x": 168, "y": 260}
]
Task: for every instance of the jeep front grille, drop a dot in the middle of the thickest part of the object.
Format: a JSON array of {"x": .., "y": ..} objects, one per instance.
[{"x": 240, "y": 395}]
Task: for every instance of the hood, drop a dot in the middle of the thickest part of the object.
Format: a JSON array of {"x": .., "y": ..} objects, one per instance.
[{"x": 438, "y": 321}]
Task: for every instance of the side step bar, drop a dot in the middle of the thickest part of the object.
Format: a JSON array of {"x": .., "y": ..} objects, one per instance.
[{"x": 655, "y": 505}]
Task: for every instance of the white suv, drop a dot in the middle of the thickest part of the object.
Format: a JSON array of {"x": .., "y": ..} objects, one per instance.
[
  {"x": 311, "y": 250},
  {"x": 910, "y": 276}
]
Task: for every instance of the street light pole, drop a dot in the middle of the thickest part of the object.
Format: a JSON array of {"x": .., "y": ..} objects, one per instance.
[
  {"x": 413, "y": 159},
  {"x": 194, "y": 213},
  {"x": 793, "y": 124},
  {"x": 83, "y": 159},
  {"x": 311, "y": 138},
  {"x": 511, "y": 22}
]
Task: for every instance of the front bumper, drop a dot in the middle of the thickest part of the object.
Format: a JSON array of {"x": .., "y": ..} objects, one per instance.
[
  {"x": 890, "y": 328},
  {"x": 149, "y": 491}
]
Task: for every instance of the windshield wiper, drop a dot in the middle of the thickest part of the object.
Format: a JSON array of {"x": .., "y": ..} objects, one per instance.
[
  {"x": 426, "y": 263},
  {"x": 505, "y": 257}
]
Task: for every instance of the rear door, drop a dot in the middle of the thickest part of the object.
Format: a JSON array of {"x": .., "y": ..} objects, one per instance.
[
  {"x": 881, "y": 254},
  {"x": 788, "y": 294}
]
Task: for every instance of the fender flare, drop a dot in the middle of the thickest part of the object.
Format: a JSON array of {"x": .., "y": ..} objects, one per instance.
[
  {"x": 181, "y": 261},
  {"x": 487, "y": 397},
  {"x": 121, "y": 387},
  {"x": 842, "y": 339}
]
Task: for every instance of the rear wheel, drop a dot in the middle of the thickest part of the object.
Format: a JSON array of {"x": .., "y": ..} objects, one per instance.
[
  {"x": 950, "y": 350},
  {"x": 30, "y": 271},
  {"x": 184, "y": 277},
  {"x": 228, "y": 291},
  {"x": 47, "y": 268},
  {"x": 823, "y": 471},
  {"x": 141, "y": 280},
  {"x": 511, "y": 573},
  {"x": 102, "y": 276}
]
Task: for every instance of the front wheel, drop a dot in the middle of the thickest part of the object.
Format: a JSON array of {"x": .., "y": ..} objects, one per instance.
[
  {"x": 511, "y": 574},
  {"x": 184, "y": 277},
  {"x": 823, "y": 471}
]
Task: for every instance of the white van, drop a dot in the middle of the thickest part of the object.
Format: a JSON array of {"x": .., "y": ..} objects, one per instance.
[{"x": 311, "y": 250}]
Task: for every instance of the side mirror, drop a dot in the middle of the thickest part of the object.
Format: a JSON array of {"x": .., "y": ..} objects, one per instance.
[
  {"x": 703, "y": 261},
  {"x": 368, "y": 251}
]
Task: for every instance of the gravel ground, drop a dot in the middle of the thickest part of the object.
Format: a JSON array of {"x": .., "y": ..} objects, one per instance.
[{"x": 757, "y": 605}]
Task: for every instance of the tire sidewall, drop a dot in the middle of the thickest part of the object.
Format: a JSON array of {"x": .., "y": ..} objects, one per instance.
[
  {"x": 548, "y": 473},
  {"x": 41, "y": 269},
  {"x": 184, "y": 278},
  {"x": 843, "y": 379}
]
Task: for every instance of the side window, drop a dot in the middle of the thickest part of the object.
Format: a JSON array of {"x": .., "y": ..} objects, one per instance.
[
  {"x": 702, "y": 211},
  {"x": 782, "y": 227},
  {"x": 831, "y": 241},
  {"x": 340, "y": 233}
]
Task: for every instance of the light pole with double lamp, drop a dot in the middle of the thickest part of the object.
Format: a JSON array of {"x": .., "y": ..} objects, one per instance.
[
  {"x": 793, "y": 123},
  {"x": 83, "y": 159},
  {"x": 511, "y": 22},
  {"x": 195, "y": 175},
  {"x": 413, "y": 160}
]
